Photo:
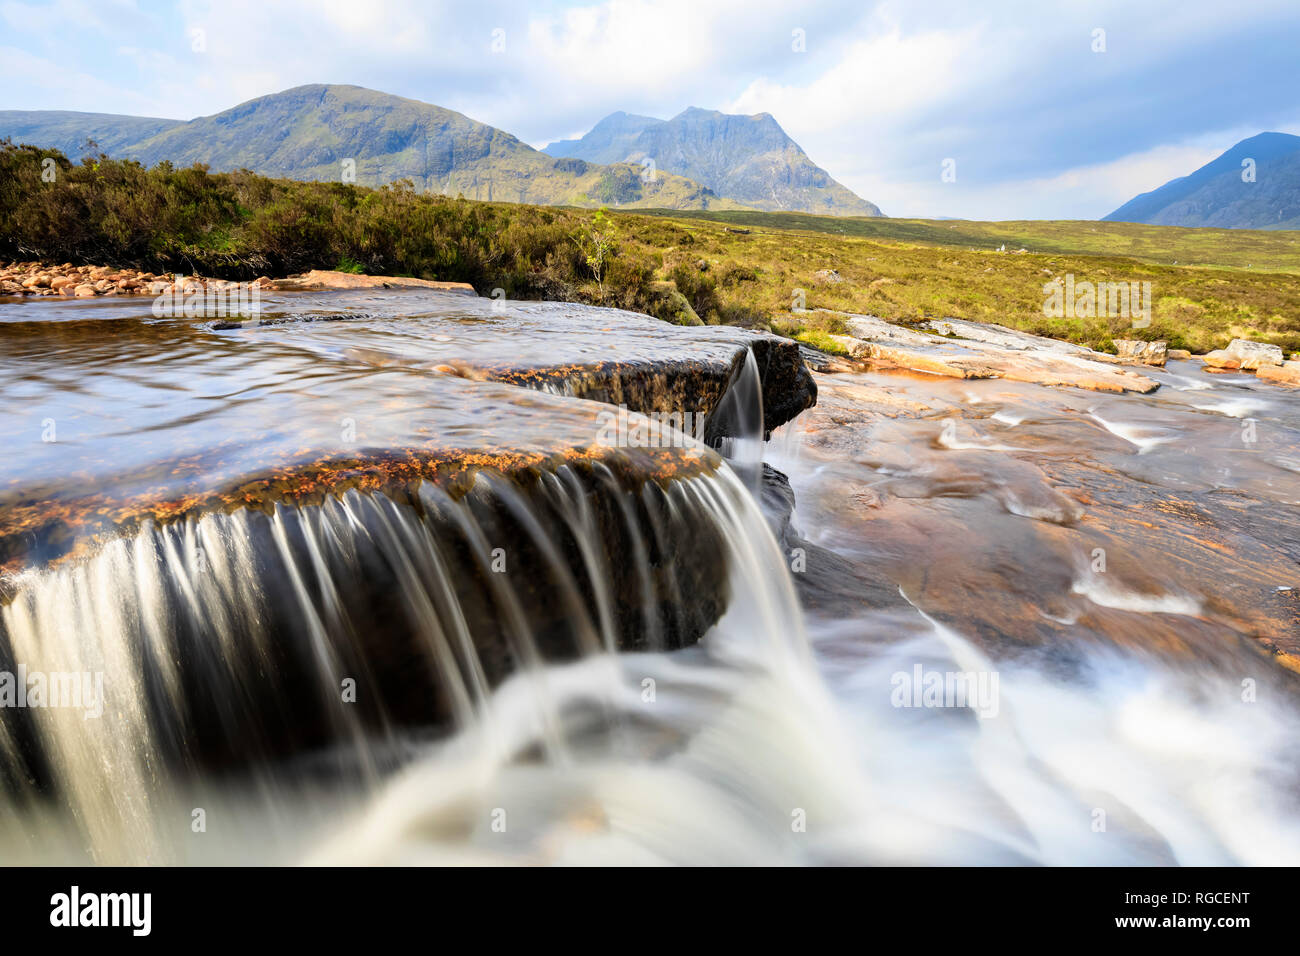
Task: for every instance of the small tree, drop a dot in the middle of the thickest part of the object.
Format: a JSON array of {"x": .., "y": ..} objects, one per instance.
[{"x": 596, "y": 241}]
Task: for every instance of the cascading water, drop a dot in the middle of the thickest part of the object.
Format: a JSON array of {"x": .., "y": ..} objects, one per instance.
[
  {"x": 345, "y": 630},
  {"x": 602, "y": 657}
]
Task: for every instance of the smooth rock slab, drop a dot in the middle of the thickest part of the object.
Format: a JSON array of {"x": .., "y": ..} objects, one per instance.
[{"x": 987, "y": 351}]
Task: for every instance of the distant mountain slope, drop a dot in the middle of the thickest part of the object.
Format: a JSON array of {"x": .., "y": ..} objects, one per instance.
[
  {"x": 68, "y": 132},
  {"x": 310, "y": 131},
  {"x": 746, "y": 158},
  {"x": 1216, "y": 194},
  {"x": 611, "y": 140}
]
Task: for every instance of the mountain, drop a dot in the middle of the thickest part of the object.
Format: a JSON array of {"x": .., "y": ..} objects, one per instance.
[
  {"x": 310, "y": 131},
  {"x": 1216, "y": 194},
  {"x": 746, "y": 158},
  {"x": 611, "y": 140},
  {"x": 68, "y": 132}
]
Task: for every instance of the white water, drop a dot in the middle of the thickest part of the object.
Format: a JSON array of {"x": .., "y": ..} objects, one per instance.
[
  {"x": 1106, "y": 593},
  {"x": 745, "y": 737},
  {"x": 1143, "y": 436},
  {"x": 776, "y": 740}
]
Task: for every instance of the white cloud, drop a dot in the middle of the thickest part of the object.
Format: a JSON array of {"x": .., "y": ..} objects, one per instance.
[
  {"x": 885, "y": 91},
  {"x": 1083, "y": 192}
]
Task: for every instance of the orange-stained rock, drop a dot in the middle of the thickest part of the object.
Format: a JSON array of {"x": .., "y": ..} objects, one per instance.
[
  {"x": 1288, "y": 373},
  {"x": 1220, "y": 358}
]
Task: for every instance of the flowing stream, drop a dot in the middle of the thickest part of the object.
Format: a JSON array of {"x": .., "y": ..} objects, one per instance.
[{"x": 518, "y": 615}]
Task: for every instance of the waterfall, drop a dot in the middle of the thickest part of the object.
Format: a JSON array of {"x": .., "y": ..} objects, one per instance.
[{"x": 230, "y": 643}]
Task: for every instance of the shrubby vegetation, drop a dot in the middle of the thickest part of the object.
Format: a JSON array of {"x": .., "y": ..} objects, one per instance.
[{"x": 240, "y": 225}]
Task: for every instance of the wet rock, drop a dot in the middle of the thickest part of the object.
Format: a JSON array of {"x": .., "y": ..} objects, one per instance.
[
  {"x": 1288, "y": 373},
  {"x": 1004, "y": 512},
  {"x": 787, "y": 386},
  {"x": 384, "y": 491},
  {"x": 85, "y": 290},
  {"x": 1142, "y": 353},
  {"x": 604, "y": 355},
  {"x": 421, "y": 595},
  {"x": 1181, "y": 355}
]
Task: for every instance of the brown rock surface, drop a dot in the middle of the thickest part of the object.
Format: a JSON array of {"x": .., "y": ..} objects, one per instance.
[
  {"x": 1288, "y": 373},
  {"x": 322, "y": 279}
]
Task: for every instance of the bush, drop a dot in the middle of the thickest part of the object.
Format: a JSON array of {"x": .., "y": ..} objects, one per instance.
[
  {"x": 240, "y": 225},
  {"x": 700, "y": 291}
]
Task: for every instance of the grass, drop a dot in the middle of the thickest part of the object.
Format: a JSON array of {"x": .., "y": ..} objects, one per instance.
[
  {"x": 742, "y": 268},
  {"x": 886, "y": 269},
  {"x": 1258, "y": 250}
]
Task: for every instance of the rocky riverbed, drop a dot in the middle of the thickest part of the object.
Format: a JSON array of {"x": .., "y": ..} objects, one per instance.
[
  {"x": 955, "y": 348},
  {"x": 66, "y": 279},
  {"x": 372, "y": 565}
]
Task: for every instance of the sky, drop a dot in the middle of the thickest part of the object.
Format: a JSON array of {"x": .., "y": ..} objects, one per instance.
[{"x": 1042, "y": 110}]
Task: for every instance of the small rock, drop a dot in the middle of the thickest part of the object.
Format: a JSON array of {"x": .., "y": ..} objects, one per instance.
[
  {"x": 1144, "y": 353},
  {"x": 84, "y": 291},
  {"x": 1181, "y": 355},
  {"x": 829, "y": 276},
  {"x": 1220, "y": 358}
]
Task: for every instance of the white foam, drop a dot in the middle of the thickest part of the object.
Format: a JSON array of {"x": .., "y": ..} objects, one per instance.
[
  {"x": 1189, "y": 384},
  {"x": 1234, "y": 407},
  {"x": 1104, "y": 592},
  {"x": 1144, "y": 437}
]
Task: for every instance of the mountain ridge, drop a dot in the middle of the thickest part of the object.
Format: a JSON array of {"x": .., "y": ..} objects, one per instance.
[
  {"x": 312, "y": 132},
  {"x": 1217, "y": 194},
  {"x": 748, "y": 158}
]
